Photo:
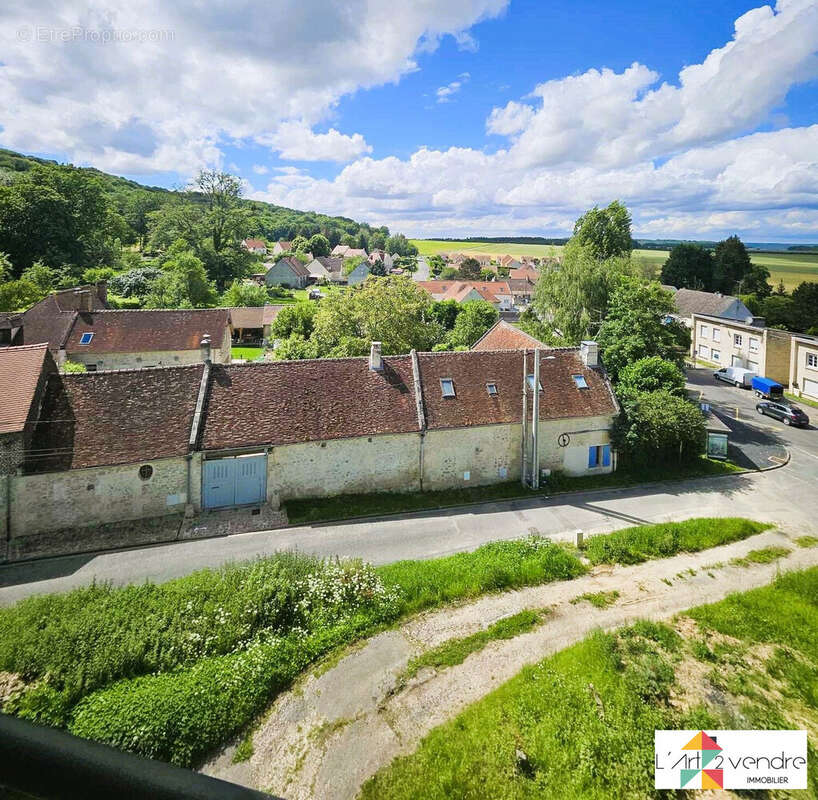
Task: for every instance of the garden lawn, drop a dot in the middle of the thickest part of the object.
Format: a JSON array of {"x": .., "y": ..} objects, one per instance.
[
  {"x": 247, "y": 353},
  {"x": 580, "y": 724}
]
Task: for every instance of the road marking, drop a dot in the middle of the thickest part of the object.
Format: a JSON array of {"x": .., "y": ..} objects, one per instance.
[{"x": 801, "y": 450}]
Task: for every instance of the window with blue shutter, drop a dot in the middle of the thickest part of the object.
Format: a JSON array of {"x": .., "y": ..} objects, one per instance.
[
  {"x": 593, "y": 457},
  {"x": 606, "y": 455}
]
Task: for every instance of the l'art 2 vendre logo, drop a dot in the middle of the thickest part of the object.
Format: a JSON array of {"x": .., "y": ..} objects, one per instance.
[{"x": 731, "y": 760}]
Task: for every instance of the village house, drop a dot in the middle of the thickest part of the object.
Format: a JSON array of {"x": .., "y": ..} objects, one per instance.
[
  {"x": 256, "y": 246},
  {"x": 498, "y": 293},
  {"x": 327, "y": 268},
  {"x": 281, "y": 246},
  {"x": 729, "y": 343},
  {"x": 524, "y": 273},
  {"x": 712, "y": 304},
  {"x": 359, "y": 274},
  {"x": 138, "y": 339},
  {"x": 251, "y": 324},
  {"x": 130, "y": 456},
  {"x": 522, "y": 290},
  {"x": 288, "y": 272},
  {"x": 502, "y": 336},
  {"x": 803, "y": 380}
]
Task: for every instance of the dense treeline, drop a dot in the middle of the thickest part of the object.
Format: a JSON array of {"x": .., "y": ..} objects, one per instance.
[{"x": 71, "y": 224}]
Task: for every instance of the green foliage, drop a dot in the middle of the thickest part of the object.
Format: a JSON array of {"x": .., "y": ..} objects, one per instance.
[
  {"x": 295, "y": 347},
  {"x": 804, "y": 311},
  {"x": 298, "y": 319},
  {"x": 445, "y": 312},
  {"x": 319, "y": 245},
  {"x": 606, "y": 232},
  {"x": 756, "y": 281},
  {"x": 6, "y": 268},
  {"x": 73, "y": 367},
  {"x": 44, "y": 278},
  {"x": 456, "y": 651},
  {"x": 689, "y": 266},
  {"x": 245, "y": 293},
  {"x": 643, "y": 542},
  {"x": 652, "y": 374},
  {"x": 19, "y": 295},
  {"x": 95, "y": 274},
  {"x": 658, "y": 428},
  {"x": 135, "y": 282},
  {"x": 469, "y": 270},
  {"x": 598, "y": 599},
  {"x": 475, "y": 318},
  {"x": 731, "y": 262},
  {"x": 401, "y": 245},
  {"x": 765, "y": 555},
  {"x": 449, "y": 274},
  {"x": 491, "y": 567},
  {"x": 636, "y": 326},
  {"x": 183, "y": 282},
  {"x": 574, "y": 297}
]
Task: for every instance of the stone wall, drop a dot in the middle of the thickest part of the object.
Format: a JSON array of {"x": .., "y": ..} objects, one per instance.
[
  {"x": 777, "y": 362},
  {"x": 11, "y": 452},
  {"x": 345, "y": 466},
  {"x": 159, "y": 358}
]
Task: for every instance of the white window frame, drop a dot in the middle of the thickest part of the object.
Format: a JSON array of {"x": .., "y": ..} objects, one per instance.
[
  {"x": 704, "y": 331},
  {"x": 86, "y": 338},
  {"x": 491, "y": 388},
  {"x": 715, "y": 355},
  {"x": 738, "y": 340},
  {"x": 580, "y": 382},
  {"x": 704, "y": 351},
  {"x": 812, "y": 360},
  {"x": 716, "y": 334},
  {"x": 753, "y": 344}
]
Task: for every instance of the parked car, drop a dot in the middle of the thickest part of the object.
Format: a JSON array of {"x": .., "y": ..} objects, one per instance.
[
  {"x": 788, "y": 414},
  {"x": 768, "y": 388},
  {"x": 738, "y": 376}
]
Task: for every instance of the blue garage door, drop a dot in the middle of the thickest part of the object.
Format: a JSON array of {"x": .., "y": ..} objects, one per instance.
[{"x": 236, "y": 481}]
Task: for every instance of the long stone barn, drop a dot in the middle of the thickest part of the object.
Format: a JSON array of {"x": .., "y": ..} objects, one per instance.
[{"x": 111, "y": 458}]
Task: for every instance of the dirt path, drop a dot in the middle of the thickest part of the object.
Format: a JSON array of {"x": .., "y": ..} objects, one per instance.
[{"x": 337, "y": 728}]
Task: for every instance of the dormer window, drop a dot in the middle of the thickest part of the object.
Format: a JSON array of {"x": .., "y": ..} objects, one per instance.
[
  {"x": 491, "y": 388},
  {"x": 580, "y": 381},
  {"x": 447, "y": 387},
  {"x": 86, "y": 338}
]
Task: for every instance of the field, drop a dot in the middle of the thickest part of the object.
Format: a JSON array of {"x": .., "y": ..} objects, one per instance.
[{"x": 792, "y": 268}]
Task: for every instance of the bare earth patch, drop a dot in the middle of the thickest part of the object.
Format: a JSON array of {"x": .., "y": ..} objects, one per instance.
[
  {"x": 10, "y": 684},
  {"x": 345, "y": 723}
]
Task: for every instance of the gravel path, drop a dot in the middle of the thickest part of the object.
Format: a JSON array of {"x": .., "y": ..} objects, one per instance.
[{"x": 334, "y": 730}]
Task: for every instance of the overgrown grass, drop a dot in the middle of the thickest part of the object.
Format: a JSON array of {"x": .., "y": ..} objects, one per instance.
[
  {"x": 807, "y": 541},
  {"x": 455, "y": 651},
  {"x": 801, "y": 400},
  {"x": 597, "y": 599},
  {"x": 170, "y": 671},
  {"x": 319, "y": 509},
  {"x": 580, "y": 724},
  {"x": 765, "y": 555},
  {"x": 634, "y": 545}
]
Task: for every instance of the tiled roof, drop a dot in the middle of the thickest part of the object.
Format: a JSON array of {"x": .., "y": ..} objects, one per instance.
[
  {"x": 502, "y": 336},
  {"x": 147, "y": 331},
  {"x": 253, "y": 316},
  {"x": 118, "y": 417},
  {"x": 20, "y": 369},
  {"x": 254, "y": 244},
  {"x": 329, "y": 263},
  {"x": 528, "y": 273},
  {"x": 296, "y": 267},
  {"x": 457, "y": 290},
  {"x": 300, "y": 401},
  {"x": 690, "y": 301},
  {"x": 472, "y": 404},
  {"x": 51, "y": 319}
]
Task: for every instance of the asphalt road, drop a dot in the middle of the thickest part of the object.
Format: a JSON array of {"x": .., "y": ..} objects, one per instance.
[
  {"x": 422, "y": 272},
  {"x": 782, "y": 496}
]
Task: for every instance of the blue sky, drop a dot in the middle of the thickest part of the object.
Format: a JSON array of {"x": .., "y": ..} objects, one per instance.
[{"x": 462, "y": 117}]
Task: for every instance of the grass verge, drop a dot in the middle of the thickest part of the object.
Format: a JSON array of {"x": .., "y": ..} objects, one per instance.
[
  {"x": 580, "y": 724},
  {"x": 801, "y": 400},
  {"x": 634, "y": 545},
  {"x": 321, "y": 509},
  {"x": 455, "y": 651},
  {"x": 766, "y": 555}
]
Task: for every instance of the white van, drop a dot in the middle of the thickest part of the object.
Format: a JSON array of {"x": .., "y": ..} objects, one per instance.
[{"x": 738, "y": 376}]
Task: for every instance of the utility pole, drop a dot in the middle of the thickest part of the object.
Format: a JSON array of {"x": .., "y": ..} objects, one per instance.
[
  {"x": 524, "y": 448},
  {"x": 535, "y": 423}
]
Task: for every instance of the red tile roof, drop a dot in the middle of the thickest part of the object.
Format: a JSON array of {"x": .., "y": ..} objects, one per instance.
[
  {"x": 502, "y": 336},
  {"x": 51, "y": 319},
  {"x": 117, "y": 417},
  {"x": 528, "y": 273},
  {"x": 472, "y": 404},
  {"x": 147, "y": 331},
  {"x": 253, "y": 316},
  {"x": 20, "y": 370},
  {"x": 300, "y": 401},
  {"x": 254, "y": 244},
  {"x": 458, "y": 290}
]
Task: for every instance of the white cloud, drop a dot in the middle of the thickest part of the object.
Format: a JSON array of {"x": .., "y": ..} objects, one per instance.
[
  {"x": 296, "y": 141},
  {"x": 175, "y": 81},
  {"x": 260, "y": 169},
  {"x": 445, "y": 93}
]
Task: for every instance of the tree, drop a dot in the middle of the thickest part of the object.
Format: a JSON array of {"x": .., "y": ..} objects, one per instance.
[
  {"x": 755, "y": 281},
  {"x": 650, "y": 375},
  {"x": 73, "y": 367},
  {"x": 295, "y": 347},
  {"x": 393, "y": 311},
  {"x": 137, "y": 211},
  {"x": 637, "y": 326},
  {"x": 605, "y": 231},
  {"x": 689, "y": 266},
  {"x": 299, "y": 245},
  {"x": 573, "y": 298},
  {"x": 401, "y": 245},
  {"x": 297, "y": 319},
  {"x": 225, "y": 218},
  {"x": 731, "y": 263},
  {"x": 777, "y": 310},
  {"x": 377, "y": 241},
  {"x": 319, "y": 245},
  {"x": 6, "y": 269},
  {"x": 18, "y": 295},
  {"x": 183, "y": 283},
  {"x": 377, "y": 269},
  {"x": 42, "y": 277},
  {"x": 657, "y": 428},
  {"x": 134, "y": 282},
  {"x": 469, "y": 270},
  {"x": 449, "y": 274},
  {"x": 445, "y": 312},
  {"x": 245, "y": 293},
  {"x": 805, "y": 306},
  {"x": 436, "y": 264},
  {"x": 472, "y": 322}
]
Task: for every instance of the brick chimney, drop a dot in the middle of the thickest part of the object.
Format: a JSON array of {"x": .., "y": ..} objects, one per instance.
[
  {"x": 102, "y": 292},
  {"x": 590, "y": 353},
  {"x": 375, "y": 360},
  {"x": 84, "y": 302},
  {"x": 204, "y": 346}
]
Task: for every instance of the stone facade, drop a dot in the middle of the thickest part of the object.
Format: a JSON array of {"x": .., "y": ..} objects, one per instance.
[
  {"x": 12, "y": 446},
  {"x": 724, "y": 343},
  {"x": 803, "y": 380}
]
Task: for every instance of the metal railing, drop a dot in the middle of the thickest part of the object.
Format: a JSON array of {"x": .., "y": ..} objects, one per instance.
[{"x": 50, "y": 764}]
